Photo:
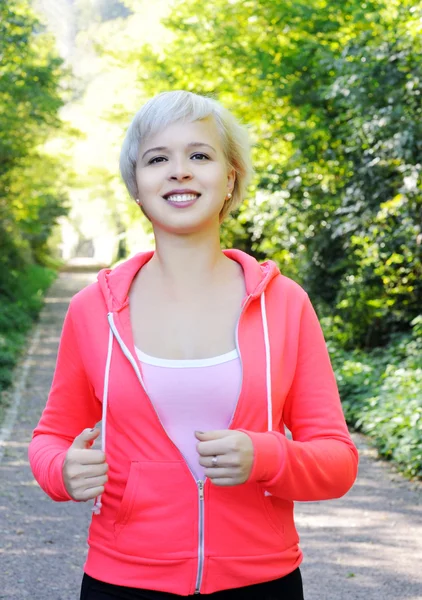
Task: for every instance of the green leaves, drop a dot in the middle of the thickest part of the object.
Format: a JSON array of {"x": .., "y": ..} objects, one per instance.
[
  {"x": 30, "y": 98},
  {"x": 381, "y": 396},
  {"x": 18, "y": 309},
  {"x": 331, "y": 94}
]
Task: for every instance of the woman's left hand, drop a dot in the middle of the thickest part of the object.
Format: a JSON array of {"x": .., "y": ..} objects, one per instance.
[{"x": 227, "y": 456}]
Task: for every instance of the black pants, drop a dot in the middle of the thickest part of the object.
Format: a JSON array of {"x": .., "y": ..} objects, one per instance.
[{"x": 285, "y": 588}]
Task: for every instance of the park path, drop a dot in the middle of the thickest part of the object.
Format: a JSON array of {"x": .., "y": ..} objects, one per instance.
[{"x": 365, "y": 546}]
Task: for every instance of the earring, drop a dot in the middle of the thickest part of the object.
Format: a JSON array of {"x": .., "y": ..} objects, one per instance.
[
  {"x": 137, "y": 201},
  {"x": 228, "y": 196}
]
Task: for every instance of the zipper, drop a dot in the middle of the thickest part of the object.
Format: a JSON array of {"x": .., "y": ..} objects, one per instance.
[{"x": 200, "y": 484}]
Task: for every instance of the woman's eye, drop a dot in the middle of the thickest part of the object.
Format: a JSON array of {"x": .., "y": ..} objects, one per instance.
[{"x": 158, "y": 159}]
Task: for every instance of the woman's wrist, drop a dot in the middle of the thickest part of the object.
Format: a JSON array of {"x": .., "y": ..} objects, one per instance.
[{"x": 267, "y": 456}]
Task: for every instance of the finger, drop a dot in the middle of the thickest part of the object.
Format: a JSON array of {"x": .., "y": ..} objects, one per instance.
[
  {"x": 84, "y": 440},
  {"x": 91, "y": 493},
  {"x": 213, "y": 448},
  {"x": 89, "y": 457},
  {"x": 217, "y": 434},
  {"x": 79, "y": 486},
  {"x": 92, "y": 470},
  {"x": 222, "y": 461},
  {"x": 226, "y": 482},
  {"x": 76, "y": 474},
  {"x": 90, "y": 482},
  {"x": 214, "y": 473}
]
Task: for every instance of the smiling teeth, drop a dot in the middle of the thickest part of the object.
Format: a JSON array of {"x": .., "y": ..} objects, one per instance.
[{"x": 182, "y": 197}]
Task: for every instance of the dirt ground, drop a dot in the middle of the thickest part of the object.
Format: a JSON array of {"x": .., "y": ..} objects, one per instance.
[{"x": 367, "y": 545}]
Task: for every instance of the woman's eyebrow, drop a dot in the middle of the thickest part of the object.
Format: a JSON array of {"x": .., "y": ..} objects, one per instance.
[{"x": 191, "y": 145}]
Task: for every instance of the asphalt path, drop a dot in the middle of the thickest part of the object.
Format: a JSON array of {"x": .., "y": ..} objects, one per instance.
[{"x": 366, "y": 545}]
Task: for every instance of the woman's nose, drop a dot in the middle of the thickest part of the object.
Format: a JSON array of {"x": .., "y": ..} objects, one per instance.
[{"x": 180, "y": 171}]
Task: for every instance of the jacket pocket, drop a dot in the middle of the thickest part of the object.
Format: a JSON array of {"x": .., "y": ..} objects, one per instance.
[
  {"x": 158, "y": 512},
  {"x": 128, "y": 499},
  {"x": 272, "y": 514}
]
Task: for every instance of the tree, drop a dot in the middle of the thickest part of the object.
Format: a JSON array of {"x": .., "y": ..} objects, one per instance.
[
  {"x": 331, "y": 95},
  {"x": 30, "y": 98}
]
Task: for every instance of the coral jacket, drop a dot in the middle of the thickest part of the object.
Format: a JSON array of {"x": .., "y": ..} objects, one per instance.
[{"x": 156, "y": 527}]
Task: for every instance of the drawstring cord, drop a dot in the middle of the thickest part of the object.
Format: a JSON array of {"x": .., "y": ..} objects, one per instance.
[
  {"x": 267, "y": 363},
  {"x": 96, "y": 509},
  {"x": 267, "y": 369}
]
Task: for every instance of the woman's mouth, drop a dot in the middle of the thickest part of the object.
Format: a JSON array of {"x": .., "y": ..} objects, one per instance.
[{"x": 182, "y": 200}]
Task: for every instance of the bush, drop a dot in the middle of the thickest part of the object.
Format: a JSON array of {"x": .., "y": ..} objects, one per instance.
[
  {"x": 381, "y": 396},
  {"x": 20, "y": 307}
]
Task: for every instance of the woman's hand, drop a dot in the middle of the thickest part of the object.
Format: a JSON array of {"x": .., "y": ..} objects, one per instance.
[
  {"x": 84, "y": 469},
  {"x": 227, "y": 456}
]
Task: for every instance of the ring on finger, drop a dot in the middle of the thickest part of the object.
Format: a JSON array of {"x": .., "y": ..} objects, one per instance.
[{"x": 214, "y": 461}]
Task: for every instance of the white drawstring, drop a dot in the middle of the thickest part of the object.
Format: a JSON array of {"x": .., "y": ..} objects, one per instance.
[
  {"x": 267, "y": 369},
  {"x": 267, "y": 363},
  {"x": 96, "y": 509}
]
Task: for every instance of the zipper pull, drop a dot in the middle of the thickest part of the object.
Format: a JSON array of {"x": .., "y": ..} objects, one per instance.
[{"x": 201, "y": 489}]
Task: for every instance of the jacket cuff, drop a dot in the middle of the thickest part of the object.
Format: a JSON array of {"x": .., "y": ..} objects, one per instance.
[
  {"x": 268, "y": 458},
  {"x": 56, "y": 475}
]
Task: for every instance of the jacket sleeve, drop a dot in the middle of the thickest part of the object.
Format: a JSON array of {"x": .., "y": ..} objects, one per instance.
[
  {"x": 320, "y": 462},
  {"x": 71, "y": 407}
]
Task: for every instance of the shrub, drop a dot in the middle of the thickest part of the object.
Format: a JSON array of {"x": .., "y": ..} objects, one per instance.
[
  {"x": 18, "y": 310},
  {"x": 381, "y": 396}
]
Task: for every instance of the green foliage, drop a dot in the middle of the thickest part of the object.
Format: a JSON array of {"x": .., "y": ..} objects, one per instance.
[
  {"x": 254, "y": 229},
  {"x": 31, "y": 180},
  {"x": 18, "y": 310},
  {"x": 31, "y": 196},
  {"x": 331, "y": 95},
  {"x": 381, "y": 396},
  {"x": 28, "y": 84}
]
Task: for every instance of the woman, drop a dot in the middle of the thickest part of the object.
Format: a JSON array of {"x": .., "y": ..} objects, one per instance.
[{"x": 194, "y": 359}]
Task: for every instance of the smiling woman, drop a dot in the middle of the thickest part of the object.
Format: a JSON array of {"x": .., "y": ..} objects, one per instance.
[
  {"x": 175, "y": 174},
  {"x": 182, "y": 109},
  {"x": 194, "y": 359}
]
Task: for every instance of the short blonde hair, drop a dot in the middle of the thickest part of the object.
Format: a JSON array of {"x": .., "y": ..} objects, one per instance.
[{"x": 170, "y": 107}]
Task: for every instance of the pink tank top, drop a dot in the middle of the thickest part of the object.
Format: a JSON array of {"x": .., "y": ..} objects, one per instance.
[{"x": 192, "y": 395}]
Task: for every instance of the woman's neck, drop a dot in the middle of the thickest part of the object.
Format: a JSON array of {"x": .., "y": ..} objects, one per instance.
[{"x": 188, "y": 262}]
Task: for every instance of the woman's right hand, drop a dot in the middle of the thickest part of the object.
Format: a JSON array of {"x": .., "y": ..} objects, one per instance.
[{"x": 85, "y": 469}]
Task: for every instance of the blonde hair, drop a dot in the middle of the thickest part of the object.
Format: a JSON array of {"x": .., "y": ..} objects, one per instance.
[{"x": 170, "y": 107}]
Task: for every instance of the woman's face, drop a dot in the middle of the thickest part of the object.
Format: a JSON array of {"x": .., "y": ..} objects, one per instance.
[{"x": 183, "y": 178}]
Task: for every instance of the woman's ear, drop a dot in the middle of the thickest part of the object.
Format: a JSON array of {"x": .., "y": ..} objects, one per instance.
[{"x": 231, "y": 178}]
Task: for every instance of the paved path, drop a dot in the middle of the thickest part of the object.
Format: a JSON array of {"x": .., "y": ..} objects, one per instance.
[{"x": 367, "y": 545}]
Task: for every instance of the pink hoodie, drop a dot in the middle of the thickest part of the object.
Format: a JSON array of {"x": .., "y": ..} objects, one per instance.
[{"x": 155, "y": 526}]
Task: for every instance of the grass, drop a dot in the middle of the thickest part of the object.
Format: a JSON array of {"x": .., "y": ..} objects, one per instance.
[{"x": 20, "y": 307}]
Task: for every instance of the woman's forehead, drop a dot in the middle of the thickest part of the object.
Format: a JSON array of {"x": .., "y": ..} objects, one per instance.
[{"x": 185, "y": 133}]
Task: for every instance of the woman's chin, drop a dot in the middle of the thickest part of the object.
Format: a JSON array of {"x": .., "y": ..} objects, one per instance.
[{"x": 186, "y": 223}]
